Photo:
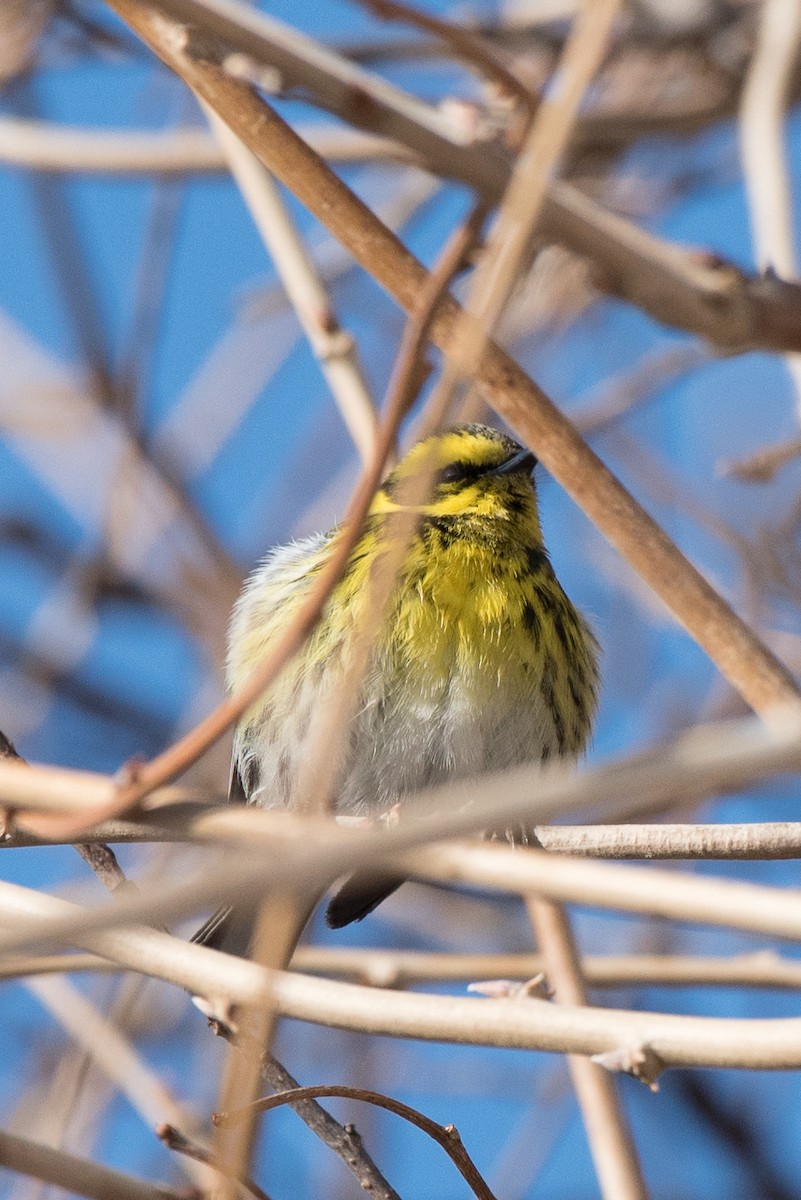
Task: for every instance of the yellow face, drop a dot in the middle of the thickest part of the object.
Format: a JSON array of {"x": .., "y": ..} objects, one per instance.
[{"x": 471, "y": 471}]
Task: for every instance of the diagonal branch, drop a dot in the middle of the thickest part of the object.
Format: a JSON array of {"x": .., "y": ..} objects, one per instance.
[
  {"x": 76, "y": 1175},
  {"x": 520, "y": 207},
  {"x": 181, "y": 1144}
]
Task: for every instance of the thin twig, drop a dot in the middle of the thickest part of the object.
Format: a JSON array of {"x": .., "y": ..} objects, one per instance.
[
  {"x": 280, "y": 919},
  {"x": 343, "y": 1140},
  {"x": 212, "y": 423},
  {"x": 48, "y": 146},
  {"x": 446, "y": 1136},
  {"x": 54, "y": 964},
  {"x": 390, "y": 968},
  {"x": 175, "y": 1140},
  {"x": 334, "y": 348},
  {"x": 104, "y": 863},
  {"x": 521, "y": 204},
  {"x": 466, "y": 45},
  {"x": 615, "y": 397},
  {"x": 736, "y": 842},
  {"x": 103, "y": 399},
  {"x": 763, "y": 465}
]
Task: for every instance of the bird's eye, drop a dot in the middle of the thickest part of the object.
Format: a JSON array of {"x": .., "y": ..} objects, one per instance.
[{"x": 453, "y": 473}]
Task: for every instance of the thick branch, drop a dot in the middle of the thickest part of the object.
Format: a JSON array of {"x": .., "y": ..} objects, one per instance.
[
  {"x": 756, "y": 841},
  {"x": 530, "y": 1024}
]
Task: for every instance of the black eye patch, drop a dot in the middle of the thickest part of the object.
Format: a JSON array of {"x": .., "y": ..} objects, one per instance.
[{"x": 455, "y": 472}]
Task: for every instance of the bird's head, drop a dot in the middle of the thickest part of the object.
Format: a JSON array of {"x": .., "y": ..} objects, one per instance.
[{"x": 470, "y": 473}]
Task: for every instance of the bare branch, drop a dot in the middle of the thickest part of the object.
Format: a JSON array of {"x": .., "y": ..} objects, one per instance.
[
  {"x": 343, "y": 1140},
  {"x": 762, "y": 111},
  {"x": 46, "y": 146},
  {"x": 693, "y": 291},
  {"x": 179, "y": 1142},
  {"x": 113, "y": 1053},
  {"x": 334, "y": 348},
  {"x": 446, "y": 1136},
  {"x": 692, "y": 766},
  {"x": 611, "y": 1145},
  {"x": 54, "y": 964},
  {"x": 77, "y": 1175},
  {"x": 392, "y": 968},
  {"x": 763, "y": 465},
  {"x": 22, "y": 23},
  {"x": 644, "y": 890},
  {"x": 744, "y": 842},
  {"x": 99, "y": 857},
  {"x": 758, "y": 1044},
  {"x": 469, "y": 47},
  {"x": 522, "y": 201}
]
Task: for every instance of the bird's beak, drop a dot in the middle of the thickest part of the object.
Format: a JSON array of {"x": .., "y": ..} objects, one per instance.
[{"x": 524, "y": 460}]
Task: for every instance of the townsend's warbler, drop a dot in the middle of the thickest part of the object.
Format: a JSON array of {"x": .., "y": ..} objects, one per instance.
[{"x": 481, "y": 661}]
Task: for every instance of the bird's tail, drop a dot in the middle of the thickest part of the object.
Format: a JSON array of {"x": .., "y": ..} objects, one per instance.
[{"x": 358, "y": 896}]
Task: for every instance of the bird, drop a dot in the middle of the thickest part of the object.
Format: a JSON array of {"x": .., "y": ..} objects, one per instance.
[{"x": 481, "y": 661}]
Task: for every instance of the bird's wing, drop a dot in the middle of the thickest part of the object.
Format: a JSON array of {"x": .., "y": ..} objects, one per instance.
[{"x": 270, "y": 595}]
